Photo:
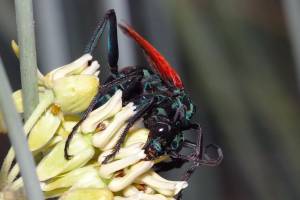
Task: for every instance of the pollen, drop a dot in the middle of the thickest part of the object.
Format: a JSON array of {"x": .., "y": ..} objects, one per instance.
[
  {"x": 140, "y": 187},
  {"x": 120, "y": 173},
  {"x": 100, "y": 127},
  {"x": 55, "y": 109}
]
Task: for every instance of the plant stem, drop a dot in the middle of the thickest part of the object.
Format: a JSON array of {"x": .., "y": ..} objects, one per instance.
[
  {"x": 28, "y": 62},
  {"x": 18, "y": 140},
  {"x": 291, "y": 8}
]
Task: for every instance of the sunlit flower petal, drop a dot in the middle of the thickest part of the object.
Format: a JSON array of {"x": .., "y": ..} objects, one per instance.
[
  {"x": 88, "y": 194},
  {"x": 54, "y": 162},
  {"x": 44, "y": 129},
  {"x": 79, "y": 178}
]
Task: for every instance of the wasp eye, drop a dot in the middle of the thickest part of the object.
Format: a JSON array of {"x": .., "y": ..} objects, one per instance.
[{"x": 161, "y": 128}]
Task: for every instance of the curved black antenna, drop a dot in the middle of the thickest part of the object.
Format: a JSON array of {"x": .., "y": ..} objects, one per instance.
[
  {"x": 95, "y": 37},
  {"x": 112, "y": 44}
]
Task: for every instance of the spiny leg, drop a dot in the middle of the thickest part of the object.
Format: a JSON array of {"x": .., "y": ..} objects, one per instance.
[
  {"x": 167, "y": 166},
  {"x": 197, "y": 156},
  {"x": 106, "y": 88},
  {"x": 198, "y": 147},
  {"x": 131, "y": 122},
  {"x": 112, "y": 44},
  {"x": 197, "y": 161}
]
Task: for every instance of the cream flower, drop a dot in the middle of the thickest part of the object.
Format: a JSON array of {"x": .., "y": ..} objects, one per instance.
[
  {"x": 127, "y": 176},
  {"x": 73, "y": 85}
]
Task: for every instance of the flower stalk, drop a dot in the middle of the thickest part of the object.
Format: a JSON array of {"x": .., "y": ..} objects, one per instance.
[
  {"x": 18, "y": 139},
  {"x": 28, "y": 61}
]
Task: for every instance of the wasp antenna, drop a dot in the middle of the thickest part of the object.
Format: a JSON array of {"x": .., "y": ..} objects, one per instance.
[{"x": 112, "y": 44}]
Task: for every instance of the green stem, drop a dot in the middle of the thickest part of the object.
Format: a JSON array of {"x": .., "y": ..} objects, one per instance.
[
  {"x": 46, "y": 101},
  {"x": 291, "y": 11},
  {"x": 18, "y": 140},
  {"x": 28, "y": 62}
]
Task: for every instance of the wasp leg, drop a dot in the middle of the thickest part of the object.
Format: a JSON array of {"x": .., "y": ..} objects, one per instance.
[
  {"x": 167, "y": 166},
  {"x": 103, "y": 90},
  {"x": 189, "y": 144},
  {"x": 112, "y": 44},
  {"x": 197, "y": 156},
  {"x": 131, "y": 121}
]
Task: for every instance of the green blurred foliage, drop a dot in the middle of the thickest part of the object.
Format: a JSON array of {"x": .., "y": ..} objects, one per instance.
[{"x": 236, "y": 60}]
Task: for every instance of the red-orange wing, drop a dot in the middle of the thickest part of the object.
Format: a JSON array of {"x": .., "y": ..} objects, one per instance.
[{"x": 160, "y": 64}]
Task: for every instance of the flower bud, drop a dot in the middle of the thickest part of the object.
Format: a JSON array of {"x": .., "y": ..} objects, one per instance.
[
  {"x": 75, "y": 93},
  {"x": 74, "y": 85},
  {"x": 74, "y": 68}
]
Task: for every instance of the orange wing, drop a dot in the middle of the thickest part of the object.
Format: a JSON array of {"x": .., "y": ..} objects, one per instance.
[{"x": 160, "y": 64}]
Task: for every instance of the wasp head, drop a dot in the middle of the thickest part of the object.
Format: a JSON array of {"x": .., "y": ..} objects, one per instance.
[{"x": 157, "y": 145}]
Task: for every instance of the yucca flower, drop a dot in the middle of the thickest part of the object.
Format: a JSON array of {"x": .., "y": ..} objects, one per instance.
[{"x": 64, "y": 93}]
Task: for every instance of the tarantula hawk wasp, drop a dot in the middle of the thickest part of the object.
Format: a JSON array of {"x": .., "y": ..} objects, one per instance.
[{"x": 159, "y": 95}]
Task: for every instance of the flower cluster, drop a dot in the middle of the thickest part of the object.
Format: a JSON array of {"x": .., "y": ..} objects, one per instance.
[{"x": 63, "y": 94}]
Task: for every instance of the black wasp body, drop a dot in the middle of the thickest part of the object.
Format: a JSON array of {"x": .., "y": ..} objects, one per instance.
[
  {"x": 160, "y": 99},
  {"x": 169, "y": 114}
]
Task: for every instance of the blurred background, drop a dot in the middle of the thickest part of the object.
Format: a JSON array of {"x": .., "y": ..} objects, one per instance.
[{"x": 240, "y": 62}]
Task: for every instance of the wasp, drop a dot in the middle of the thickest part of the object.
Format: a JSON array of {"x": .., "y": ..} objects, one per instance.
[{"x": 160, "y": 99}]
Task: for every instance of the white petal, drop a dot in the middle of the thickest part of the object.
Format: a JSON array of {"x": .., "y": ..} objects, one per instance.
[
  {"x": 103, "y": 137},
  {"x": 109, "y": 109},
  {"x": 163, "y": 186},
  {"x": 119, "y": 183},
  {"x": 90, "y": 70},
  {"x": 107, "y": 170},
  {"x": 124, "y": 152}
]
